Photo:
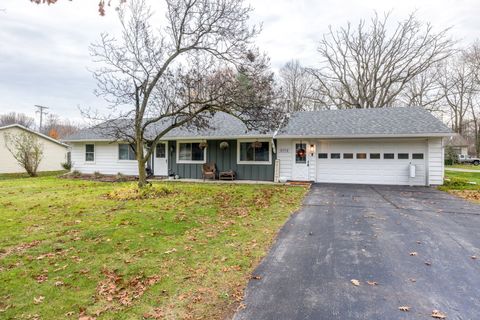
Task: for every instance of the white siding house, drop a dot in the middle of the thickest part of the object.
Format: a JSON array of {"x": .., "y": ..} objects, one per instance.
[
  {"x": 397, "y": 146},
  {"x": 54, "y": 152},
  {"x": 104, "y": 158}
]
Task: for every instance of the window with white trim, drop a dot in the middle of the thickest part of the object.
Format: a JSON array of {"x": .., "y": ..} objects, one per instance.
[
  {"x": 190, "y": 152},
  {"x": 254, "y": 152},
  {"x": 89, "y": 152},
  {"x": 126, "y": 152}
]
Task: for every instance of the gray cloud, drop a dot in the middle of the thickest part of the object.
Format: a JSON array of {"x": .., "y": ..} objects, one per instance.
[{"x": 44, "y": 50}]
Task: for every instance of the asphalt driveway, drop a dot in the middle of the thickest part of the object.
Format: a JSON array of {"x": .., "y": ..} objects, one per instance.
[{"x": 368, "y": 233}]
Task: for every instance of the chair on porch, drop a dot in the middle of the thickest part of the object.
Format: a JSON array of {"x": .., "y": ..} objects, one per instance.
[{"x": 209, "y": 170}]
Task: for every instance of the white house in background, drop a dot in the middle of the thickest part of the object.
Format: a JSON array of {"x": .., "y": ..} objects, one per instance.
[
  {"x": 398, "y": 146},
  {"x": 54, "y": 152}
]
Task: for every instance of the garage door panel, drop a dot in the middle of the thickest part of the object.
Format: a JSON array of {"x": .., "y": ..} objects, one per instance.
[{"x": 371, "y": 171}]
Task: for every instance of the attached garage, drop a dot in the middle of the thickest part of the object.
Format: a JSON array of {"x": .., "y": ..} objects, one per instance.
[
  {"x": 395, "y": 146},
  {"x": 372, "y": 162}
]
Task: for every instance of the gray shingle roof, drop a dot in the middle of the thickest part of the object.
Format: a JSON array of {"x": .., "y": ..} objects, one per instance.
[
  {"x": 327, "y": 123},
  {"x": 363, "y": 122},
  {"x": 222, "y": 125}
]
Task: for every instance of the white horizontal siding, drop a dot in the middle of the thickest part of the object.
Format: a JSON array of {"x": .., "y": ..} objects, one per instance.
[
  {"x": 285, "y": 155},
  {"x": 106, "y": 160},
  {"x": 435, "y": 161},
  {"x": 53, "y": 154}
]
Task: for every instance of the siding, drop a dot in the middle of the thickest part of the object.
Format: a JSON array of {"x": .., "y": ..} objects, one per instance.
[
  {"x": 106, "y": 160},
  {"x": 435, "y": 161},
  {"x": 224, "y": 160},
  {"x": 285, "y": 155},
  {"x": 53, "y": 154}
]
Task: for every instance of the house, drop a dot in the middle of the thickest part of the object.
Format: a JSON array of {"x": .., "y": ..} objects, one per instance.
[
  {"x": 458, "y": 144},
  {"x": 54, "y": 152},
  {"x": 398, "y": 146}
]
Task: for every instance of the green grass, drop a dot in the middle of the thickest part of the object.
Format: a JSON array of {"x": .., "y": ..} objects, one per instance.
[
  {"x": 20, "y": 175},
  {"x": 469, "y": 176},
  {"x": 67, "y": 251},
  {"x": 464, "y": 166}
]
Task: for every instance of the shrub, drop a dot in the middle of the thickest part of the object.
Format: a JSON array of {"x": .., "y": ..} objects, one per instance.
[
  {"x": 76, "y": 174},
  {"x": 448, "y": 162},
  {"x": 456, "y": 182},
  {"x": 120, "y": 177},
  {"x": 66, "y": 165},
  {"x": 97, "y": 175},
  {"x": 133, "y": 192}
]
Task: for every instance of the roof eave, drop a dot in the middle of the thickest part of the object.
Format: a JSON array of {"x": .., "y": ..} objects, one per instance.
[{"x": 359, "y": 136}]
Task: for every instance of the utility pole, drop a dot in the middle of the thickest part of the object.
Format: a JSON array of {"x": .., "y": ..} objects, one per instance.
[{"x": 42, "y": 112}]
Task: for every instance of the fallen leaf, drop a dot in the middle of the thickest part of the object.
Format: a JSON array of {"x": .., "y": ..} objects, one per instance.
[
  {"x": 170, "y": 251},
  {"x": 37, "y": 300},
  {"x": 438, "y": 315},
  {"x": 372, "y": 283},
  {"x": 59, "y": 283},
  {"x": 474, "y": 257},
  {"x": 413, "y": 253},
  {"x": 256, "y": 277},
  {"x": 419, "y": 242},
  {"x": 428, "y": 263},
  {"x": 412, "y": 279},
  {"x": 355, "y": 282},
  {"x": 404, "y": 308}
]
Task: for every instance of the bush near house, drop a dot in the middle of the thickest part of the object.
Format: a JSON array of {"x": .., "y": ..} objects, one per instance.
[{"x": 69, "y": 252}]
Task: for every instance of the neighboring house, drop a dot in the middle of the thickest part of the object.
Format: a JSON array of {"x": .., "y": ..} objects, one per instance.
[
  {"x": 458, "y": 143},
  {"x": 54, "y": 152},
  {"x": 372, "y": 146}
]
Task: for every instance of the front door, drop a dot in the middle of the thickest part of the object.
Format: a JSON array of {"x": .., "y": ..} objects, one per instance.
[
  {"x": 300, "y": 161},
  {"x": 160, "y": 162}
]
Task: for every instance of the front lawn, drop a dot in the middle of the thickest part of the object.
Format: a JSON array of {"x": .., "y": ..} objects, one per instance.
[
  {"x": 457, "y": 183},
  {"x": 20, "y": 175},
  {"x": 67, "y": 252}
]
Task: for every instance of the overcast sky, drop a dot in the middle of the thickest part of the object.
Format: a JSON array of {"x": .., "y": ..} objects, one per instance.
[{"x": 44, "y": 49}]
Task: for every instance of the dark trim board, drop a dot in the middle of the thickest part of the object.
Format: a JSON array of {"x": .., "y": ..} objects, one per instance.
[{"x": 224, "y": 160}]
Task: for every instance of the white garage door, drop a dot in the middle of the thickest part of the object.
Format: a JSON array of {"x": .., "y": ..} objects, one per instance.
[{"x": 371, "y": 162}]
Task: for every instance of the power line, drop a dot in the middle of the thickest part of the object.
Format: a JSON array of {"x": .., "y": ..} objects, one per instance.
[{"x": 41, "y": 112}]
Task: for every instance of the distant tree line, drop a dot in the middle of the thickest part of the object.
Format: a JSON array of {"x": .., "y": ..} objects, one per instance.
[{"x": 54, "y": 126}]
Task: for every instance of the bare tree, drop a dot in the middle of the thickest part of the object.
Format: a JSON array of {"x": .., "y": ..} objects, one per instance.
[
  {"x": 368, "y": 67},
  {"x": 17, "y": 118},
  {"x": 27, "y": 150},
  {"x": 425, "y": 91},
  {"x": 297, "y": 87},
  {"x": 473, "y": 60},
  {"x": 201, "y": 61},
  {"x": 460, "y": 89},
  {"x": 58, "y": 128}
]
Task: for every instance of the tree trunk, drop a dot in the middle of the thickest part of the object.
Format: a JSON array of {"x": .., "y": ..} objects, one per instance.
[{"x": 142, "y": 175}]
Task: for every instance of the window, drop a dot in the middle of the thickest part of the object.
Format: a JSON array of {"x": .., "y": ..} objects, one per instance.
[
  {"x": 334, "y": 155},
  {"x": 254, "y": 151},
  {"x": 190, "y": 152},
  {"x": 90, "y": 152},
  {"x": 403, "y": 156},
  {"x": 389, "y": 156},
  {"x": 160, "y": 150},
  {"x": 126, "y": 152},
  {"x": 417, "y": 156},
  {"x": 323, "y": 156},
  {"x": 300, "y": 153},
  {"x": 361, "y": 156},
  {"x": 348, "y": 156},
  {"x": 374, "y": 155}
]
